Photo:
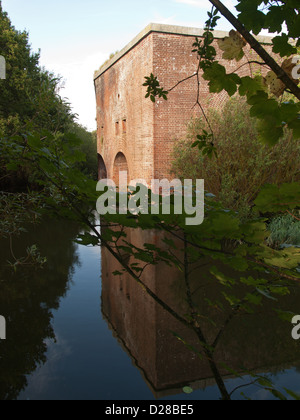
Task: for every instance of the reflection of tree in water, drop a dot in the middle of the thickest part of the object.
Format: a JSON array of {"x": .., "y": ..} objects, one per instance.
[{"x": 27, "y": 299}]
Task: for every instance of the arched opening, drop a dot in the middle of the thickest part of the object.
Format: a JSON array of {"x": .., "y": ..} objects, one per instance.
[
  {"x": 120, "y": 165},
  {"x": 102, "y": 172}
]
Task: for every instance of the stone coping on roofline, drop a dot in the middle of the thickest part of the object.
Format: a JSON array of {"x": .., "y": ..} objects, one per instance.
[{"x": 168, "y": 29}]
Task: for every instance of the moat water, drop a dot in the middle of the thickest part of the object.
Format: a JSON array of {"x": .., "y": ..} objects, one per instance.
[{"x": 76, "y": 332}]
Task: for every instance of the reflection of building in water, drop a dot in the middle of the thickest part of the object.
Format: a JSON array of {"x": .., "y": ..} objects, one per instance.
[{"x": 255, "y": 341}]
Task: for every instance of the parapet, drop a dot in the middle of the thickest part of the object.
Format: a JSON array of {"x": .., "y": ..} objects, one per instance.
[{"x": 167, "y": 29}]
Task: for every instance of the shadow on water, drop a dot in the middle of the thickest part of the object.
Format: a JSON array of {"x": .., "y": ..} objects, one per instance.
[
  {"x": 27, "y": 298},
  {"x": 258, "y": 342}
]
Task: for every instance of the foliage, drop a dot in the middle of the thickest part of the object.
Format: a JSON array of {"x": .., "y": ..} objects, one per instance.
[
  {"x": 285, "y": 230},
  {"x": 88, "y": 147},
  {"x": 29, "y": 92},
  {"x": 30, "y": 102},
  {"x": 242, "y": 165},
  {"x": 271, "y": 15},
  {"x": 154, "y": 89},
  {"x": 18, "y": 210},
  {"x": 111, "y": 56}
]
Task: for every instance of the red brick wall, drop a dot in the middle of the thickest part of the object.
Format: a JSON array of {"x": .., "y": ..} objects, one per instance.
[
  {"x": 121, "y": 99},
  {"x": 146, "y": 132},
  {"x": 173, "y": 61}
]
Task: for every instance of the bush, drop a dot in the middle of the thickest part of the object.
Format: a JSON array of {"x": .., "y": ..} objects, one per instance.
[
  {"x": 243, "y": 165},
  {"x": 285, "y": 230},
  {"x": 89, "y": 147}
]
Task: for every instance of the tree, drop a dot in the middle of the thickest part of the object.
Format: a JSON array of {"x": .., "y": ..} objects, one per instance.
[
  {"x": 236, "y": 182},
  {"x": 30, "y": 101},
  {"x": 29, "y": 93},
  {"x": 271, "y": 15},
  {"x": 89, "y": 147}
]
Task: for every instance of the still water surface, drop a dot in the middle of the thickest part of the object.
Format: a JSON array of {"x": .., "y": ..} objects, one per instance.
[{"x": 69, "y": 337}]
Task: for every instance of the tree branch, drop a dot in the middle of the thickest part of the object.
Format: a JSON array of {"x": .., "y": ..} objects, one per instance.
[{"x": 258, "y": 48}]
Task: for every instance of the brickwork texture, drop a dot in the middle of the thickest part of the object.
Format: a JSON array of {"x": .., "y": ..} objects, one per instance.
[{"x": 133, "y": 133}]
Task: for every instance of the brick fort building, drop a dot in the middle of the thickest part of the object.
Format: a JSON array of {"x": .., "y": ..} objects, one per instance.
[{"x": 133, "y": 133}]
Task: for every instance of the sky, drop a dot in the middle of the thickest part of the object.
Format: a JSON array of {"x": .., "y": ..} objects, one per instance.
[{"x": 76, "y": 36}]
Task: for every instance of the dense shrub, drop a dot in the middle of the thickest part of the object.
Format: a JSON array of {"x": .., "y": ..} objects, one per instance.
[
  {"x": 89, "y": 147},
  {"x": 243, "y": 165},
  {"x": 284, "y": 230},
  {"x": 30, "y": 102}
]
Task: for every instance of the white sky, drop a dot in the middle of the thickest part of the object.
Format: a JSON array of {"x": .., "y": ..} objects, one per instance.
[{"x": 76, "y": 36}]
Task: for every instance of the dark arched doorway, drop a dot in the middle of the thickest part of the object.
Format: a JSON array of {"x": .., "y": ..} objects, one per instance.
[
  {"x": 120, "y": 165},
  {"x": 102, "y": 172}
]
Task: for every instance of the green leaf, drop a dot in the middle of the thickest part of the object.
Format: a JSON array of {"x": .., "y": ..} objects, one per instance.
[
  {"x": 252, "y": 298},
  {"x": 282, "y": 46},
  {"x": 265, "y": 107},
  {"x": 250, "y": 86},
  {"x": 265, "y": 382},
  {"x": 188, "y": 346},
  {"x": 87, "y": 239},
  {"x": 151, "y": 247},
  {"x": 219, "y": 80},
  {"x": 278, "y": 394},
  {"x": 12, "y": 166},
  {"x": 269, "y": 133},
  {"x": 144, "y": 256},
  {"x": 233, "y": 300},
  {"x": 265, "y": 293},
  {"x": 274, "y": 199},
  {"x": 238, "y": 263},
  {"x": 250, "y": 281},
  {"x": 224, "y": 225},
  {"x": 288, "y": 258},
  {"x": 274, "y": 19},
  {"x": 35, "y": 142},
  {"x": 170, "y": 243},
  {"x": 295, "y": 126},
  {"x": 285, "y": 315},
  {"x": 289, "y": 112},
  {"x": 254, "y": 232},
  {"x": 250, "y": 16},
  {"x": 188, "y": 390},
  {"x": 47, "y": 166},
  {"x": 117, "y": 273},
  {"x": 292, "y": 394},
  {"x": 260, "y": 96},
  {"x": 221, "y": 277}
]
